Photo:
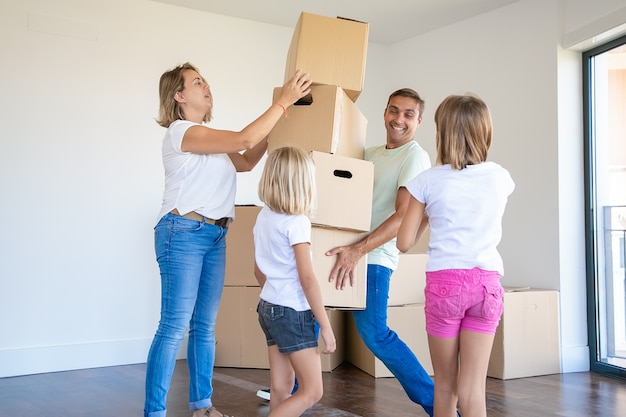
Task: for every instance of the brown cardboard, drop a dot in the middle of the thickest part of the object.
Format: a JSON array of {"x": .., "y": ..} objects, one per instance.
[
  {"x": 324, "y": 239},
  {"x": 408, "y": 280},
  {"x": 331, "y": 123},
  {"x": 421, "y": 246},
  {"x": 344, "y": 187},
  {"x": 527, "y": 339},
  {"x": 338, "y": 323},
  {"x": 241, "y": 342},
  {"x": 240, "y": 248},
  {"x": 410, "y": 325},
  {"x": 240, "y": 259},
  {"x": 332, "y": 50}
]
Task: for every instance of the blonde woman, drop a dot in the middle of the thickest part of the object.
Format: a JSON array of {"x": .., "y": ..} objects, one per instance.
[
  {"x": 198, "y": 204},
  {"x": 290, "y": 301},
  {"x": 463, "y": 197}
]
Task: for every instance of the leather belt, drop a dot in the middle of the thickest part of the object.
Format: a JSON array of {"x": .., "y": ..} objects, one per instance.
[{"x": 192, "y": 215}]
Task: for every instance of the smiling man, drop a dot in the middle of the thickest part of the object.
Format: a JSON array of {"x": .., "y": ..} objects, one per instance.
[{"x": 396, "y": 162}]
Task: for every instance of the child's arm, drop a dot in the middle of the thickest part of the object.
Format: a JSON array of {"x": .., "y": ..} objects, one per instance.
[
  {"x": 260, "y": 276},
  {"x": 313, "y": 294},
  {"x": 412, "y": 226}
]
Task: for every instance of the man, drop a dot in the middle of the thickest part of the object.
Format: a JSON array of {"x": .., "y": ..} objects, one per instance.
[{"x": 395, "y": 163}]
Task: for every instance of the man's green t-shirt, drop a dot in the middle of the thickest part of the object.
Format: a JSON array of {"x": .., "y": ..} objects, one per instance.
[{"x": 393, "y": 168}]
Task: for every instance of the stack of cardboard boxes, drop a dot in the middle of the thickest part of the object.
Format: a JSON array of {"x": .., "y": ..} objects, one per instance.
[{"x": 328, "y": 124}]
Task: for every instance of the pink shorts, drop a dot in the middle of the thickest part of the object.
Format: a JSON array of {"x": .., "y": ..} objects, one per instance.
[{"x": 462, "y": 299}]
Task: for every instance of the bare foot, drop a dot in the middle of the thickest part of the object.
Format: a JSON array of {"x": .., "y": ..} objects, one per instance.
[
  {"x": 199, "y": 412},
  {"x": 208, "y": 412}
]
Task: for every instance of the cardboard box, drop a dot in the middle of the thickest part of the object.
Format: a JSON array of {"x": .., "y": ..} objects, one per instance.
[
  {"x": 338, "y": 323},
  {"x": 324, "y": 239},
  {"x": 240, "y": 248},
  {"x": 240, "y": 259},
  {"x": 332, "y": 50},
  {"x": 410, "y": 325},
  {"x": 408, "y": 280},
  {"x": 527, "y": 339},
  {"x": 421, "y": 246},
  {"x": 345, "y": 189},
  {"x": 241, "y": 342},
  {"x": 329, "y": 123}
]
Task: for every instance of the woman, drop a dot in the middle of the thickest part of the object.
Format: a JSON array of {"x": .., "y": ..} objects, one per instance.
[{"x": 198, "y": 204}]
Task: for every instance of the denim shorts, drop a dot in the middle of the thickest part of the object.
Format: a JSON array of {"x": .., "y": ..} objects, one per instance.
[
  {"x": 462, "y": 299},
  {"x": 291, "y": 330}
]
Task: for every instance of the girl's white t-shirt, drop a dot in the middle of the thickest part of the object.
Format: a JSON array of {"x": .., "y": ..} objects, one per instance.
[
  {"x": 275, "y": 234},
  {"x": 205, "y": 184},
  {"x": 465, "y": 209}
]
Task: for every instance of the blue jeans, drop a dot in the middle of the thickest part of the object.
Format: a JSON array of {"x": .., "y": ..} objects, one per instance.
[
  {"x": 192, "y": 260},
  {"x": 385, "y": 343}
]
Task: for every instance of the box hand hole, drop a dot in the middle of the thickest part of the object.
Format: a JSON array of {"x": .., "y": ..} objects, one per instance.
[
  {"x": 342, "y": 173},
  {"x": 305, "y": 101}
]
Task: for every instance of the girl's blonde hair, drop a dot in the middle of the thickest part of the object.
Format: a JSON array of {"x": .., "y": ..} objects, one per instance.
[
  {"x": 172, "y": 82},
  {"x": 287, "y": 183},
  {"x": 464, "y": 131}
]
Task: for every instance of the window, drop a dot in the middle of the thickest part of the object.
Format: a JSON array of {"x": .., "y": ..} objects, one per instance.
[{"x": 604, "y": 78}]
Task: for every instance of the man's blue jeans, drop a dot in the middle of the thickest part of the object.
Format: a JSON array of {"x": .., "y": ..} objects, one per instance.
[
  {"x": 385, "y": 343},
  {"x": 192, "y": 258}
]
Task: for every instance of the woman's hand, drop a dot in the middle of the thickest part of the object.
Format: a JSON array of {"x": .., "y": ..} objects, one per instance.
[{"x": 294, "y": 89}]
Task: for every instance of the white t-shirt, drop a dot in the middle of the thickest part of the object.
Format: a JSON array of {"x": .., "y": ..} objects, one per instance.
[
  {"x": 205, "y": 184},
  {"x": 274, "y": 237},
  {"x": 393, "y": 168},
  {"x": 465, "y": 209}
]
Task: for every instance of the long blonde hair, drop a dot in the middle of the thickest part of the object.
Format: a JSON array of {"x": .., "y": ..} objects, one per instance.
[
  {"x": 287, "y": 184},
  {"x": 464, "y": 131},
  {"x": 172, "y": 82}
]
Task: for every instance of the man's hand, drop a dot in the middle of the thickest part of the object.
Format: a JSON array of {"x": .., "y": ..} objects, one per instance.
[{"x": 345, "y": 265}]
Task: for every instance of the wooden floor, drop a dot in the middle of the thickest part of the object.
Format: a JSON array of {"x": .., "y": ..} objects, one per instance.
[{"x": 349, "y": 392}]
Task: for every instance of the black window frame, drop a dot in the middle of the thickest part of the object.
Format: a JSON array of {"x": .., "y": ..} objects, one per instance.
[{"x": 590, "y": 221}]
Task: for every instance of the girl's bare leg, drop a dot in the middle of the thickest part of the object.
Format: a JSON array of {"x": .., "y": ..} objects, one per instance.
[
  {"x": 308, "y": 370},
  {"x": 281, "y": 377},
  {"x": 444, "y": 354},
  {"x": 475, "y": 349}
]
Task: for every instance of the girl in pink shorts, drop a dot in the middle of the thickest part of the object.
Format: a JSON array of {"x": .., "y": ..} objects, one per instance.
[{"x": 462, "y": 199}]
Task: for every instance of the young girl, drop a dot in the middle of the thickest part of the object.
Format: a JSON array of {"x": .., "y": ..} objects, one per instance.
[
  {"x": 291, "y": 300},
  {"x": 463, "y": 197}
]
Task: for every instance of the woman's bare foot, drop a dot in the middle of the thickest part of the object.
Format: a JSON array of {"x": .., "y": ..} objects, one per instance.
[
  {"x": 208, "y": 412},
  {"x": 199, "y": 412}
]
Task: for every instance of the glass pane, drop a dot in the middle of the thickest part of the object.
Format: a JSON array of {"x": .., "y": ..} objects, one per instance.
[{"x": 608, "y": 72}]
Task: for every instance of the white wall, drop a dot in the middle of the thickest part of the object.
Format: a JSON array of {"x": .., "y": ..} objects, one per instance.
[
  {"x": 81, "y": 175},
  {"x": 80, "y": 166}
]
